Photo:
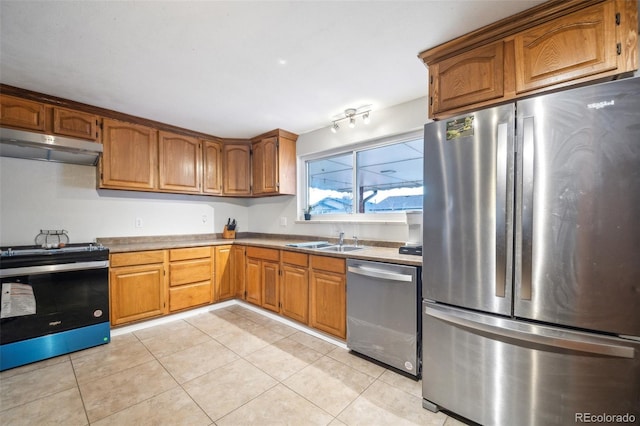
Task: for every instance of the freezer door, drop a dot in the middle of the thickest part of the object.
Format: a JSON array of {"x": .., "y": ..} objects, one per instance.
[
  {"x": 497, "y": 371},
  {"x": 578, "y": 230},
  {"x": 468, "y": 199}
]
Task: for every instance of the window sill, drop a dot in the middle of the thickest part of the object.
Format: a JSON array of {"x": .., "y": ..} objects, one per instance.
[{"x": 352, "y": 221}]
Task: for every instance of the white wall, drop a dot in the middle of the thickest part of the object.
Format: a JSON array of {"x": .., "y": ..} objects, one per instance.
[
  {"x": 37, "y": 195},
  {"x": 266, "y": 213}
]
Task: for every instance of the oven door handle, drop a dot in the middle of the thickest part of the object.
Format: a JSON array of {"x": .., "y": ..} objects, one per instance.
[{"x": 48, "y": 269}]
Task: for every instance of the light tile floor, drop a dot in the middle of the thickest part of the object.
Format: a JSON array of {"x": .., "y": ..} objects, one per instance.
[{"x": 232, "y": 366}]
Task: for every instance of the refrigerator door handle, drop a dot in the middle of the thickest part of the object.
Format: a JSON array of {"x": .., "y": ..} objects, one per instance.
[
  {"x": 526, "y": 234},
  {"x": 564, "y": 339},
  {"x": 502, "y": 166},
  {"x": 377, "y": 273}
]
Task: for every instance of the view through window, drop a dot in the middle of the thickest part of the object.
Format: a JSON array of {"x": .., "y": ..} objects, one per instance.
[{"x": 386, "y": 178}]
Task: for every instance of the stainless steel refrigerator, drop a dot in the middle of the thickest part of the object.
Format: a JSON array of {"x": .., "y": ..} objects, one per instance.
[{"x": 531, "y": 260}]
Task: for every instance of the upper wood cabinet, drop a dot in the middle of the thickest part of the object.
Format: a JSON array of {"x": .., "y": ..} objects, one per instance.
[
  {"x": 236, "y": 159},
  {"x": 557, "y": 44},
  {"x": 180, "y": 163},
  {"x": 452, "y": 86},
  {"x": 68, "y": 122},
  {"x": 22, "y": 113},
  {"x": 212, "y": 167},
  {"x": 130, "y": 157},
  {"x": 274, "y": 163},
  {"x": 568, "y": 48}
]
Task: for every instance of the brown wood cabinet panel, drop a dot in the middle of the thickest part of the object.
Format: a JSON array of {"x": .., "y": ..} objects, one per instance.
[
  {"x": 295, "y": 258},
  {"x": 265, "y": 166},
  {"x": 130, "y": 157},
  {"x": 294, "y": 294},
  {"x": 468, "y": 78},
  {"x": 238, "y": 268},
  {"x": 270, "y": 285},
  {"x": 180, "y": 161},
  {"x": 212, "y": 167},
  {"x": 77, "y": 124},
  {"x": 328, "y": 302},
  {"x": 189, "y": 253},
  {"x": 190, "y": 295},
  {"x": 136, "y": 258},
  {"x": 567, "y": 48},
  {"x": 225, "y": 288},
  {"x": 326, "y": 263},
  {"x": 253, "y": 286},
  {"x": 22, "y": 113},
  {"x": 190, "y": 271},
  {"x": 136, "y": 293},
  {"x": 236, "y": 169},
  {"x": 263, "y": 253}
]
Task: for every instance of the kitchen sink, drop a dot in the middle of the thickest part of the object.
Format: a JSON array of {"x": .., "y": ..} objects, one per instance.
[
  {"x": 311, "y": 244},
  {"x": 339, "y": 248}
]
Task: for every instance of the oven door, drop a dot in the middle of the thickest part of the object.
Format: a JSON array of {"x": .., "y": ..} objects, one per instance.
[{"x": 53, "y": 305}]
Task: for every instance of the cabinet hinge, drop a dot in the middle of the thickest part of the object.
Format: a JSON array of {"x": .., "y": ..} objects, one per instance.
[
  {"x": 618, "y": 18},
  {"x": 619, "y": 48},
  {"x": 278, "y": 185},
  {"x": 430, "y": 100},
  {"x": 101, "y": 176},
  {"x": 430, "y": 79},
  {"x": 245, "y": 294}
]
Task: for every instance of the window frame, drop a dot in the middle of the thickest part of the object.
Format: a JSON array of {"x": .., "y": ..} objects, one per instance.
[{"x": 378, "y": 217}]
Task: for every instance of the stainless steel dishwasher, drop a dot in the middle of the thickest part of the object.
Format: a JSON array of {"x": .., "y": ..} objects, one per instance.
[{"x": 383, "y": 313}]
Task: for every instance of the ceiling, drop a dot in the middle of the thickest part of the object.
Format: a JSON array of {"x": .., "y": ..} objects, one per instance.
[{"x": 233, "y": 68}]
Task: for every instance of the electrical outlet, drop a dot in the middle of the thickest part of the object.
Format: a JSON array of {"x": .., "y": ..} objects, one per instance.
[
  {"x": 138, "y": 222},
  {"x": 283, "y": 221},
  {"x": 204, "y": 218}
]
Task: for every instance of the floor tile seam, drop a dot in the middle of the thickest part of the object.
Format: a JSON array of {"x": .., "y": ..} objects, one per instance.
[
  {"x": 248, "y": 401},
  {"x": 200, "y": 375},
  {"x": 111, "y": 373},
  {"x": 84, "y": 406},
  {"x": 308, "y": 400},
  {"x": 41, "y": 398},
  {"x": 354, "y": 368},
  {"x": 394, "y": 386}
]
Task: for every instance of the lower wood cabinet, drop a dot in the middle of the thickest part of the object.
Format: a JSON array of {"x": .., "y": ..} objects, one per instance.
[
  {"x": 294, "y": 286},
  {"x": 263, "y": 277},
  {"x": 224, "y": 285},
  {"x": 190, "y": 277},
  {"x": 328, "y": 301},
  {"x": 137, "y": 286},
  {"x": 238, "y": 269}
]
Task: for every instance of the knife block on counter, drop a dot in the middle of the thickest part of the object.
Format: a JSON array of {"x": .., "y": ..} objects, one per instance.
[{"x": 227, "y": 234}]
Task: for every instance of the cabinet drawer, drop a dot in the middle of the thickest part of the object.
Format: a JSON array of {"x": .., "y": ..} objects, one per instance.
[
  {"x": 190, "y": 295},
  {"x": 263, "y": 253},
  {"x": 190, "y": 271},
  {"x": 326, "y": 263},
  {"x": 136, "y": 258},
  {"x": 189, "y": 253},
  {"x": 294, "y": 258}
]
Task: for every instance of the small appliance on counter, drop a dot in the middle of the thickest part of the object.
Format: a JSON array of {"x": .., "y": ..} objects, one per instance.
[
  {"x": 54, "y": 300},
  {"x": 414, "y": 245}
]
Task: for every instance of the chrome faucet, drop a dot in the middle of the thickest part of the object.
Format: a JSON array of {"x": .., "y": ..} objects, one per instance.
[
  {"x": 355, "y": 241},
  {"x": 341, "y": 239}
]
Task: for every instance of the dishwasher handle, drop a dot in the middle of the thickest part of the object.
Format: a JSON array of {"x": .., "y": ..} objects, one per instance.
[{"x": 379, "y": 273}]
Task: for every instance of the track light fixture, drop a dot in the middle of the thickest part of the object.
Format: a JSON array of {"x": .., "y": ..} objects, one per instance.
[{"x": 351, "y": 114}]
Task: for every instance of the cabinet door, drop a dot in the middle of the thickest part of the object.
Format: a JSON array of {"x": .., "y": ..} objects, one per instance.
[
  {"x": 468, "y": 78},
  {"x": 574, "y": 46},
  {"x": 237, "y": 169},
  {"x": 271, "y": 285},
  {"x": 265, "y": 166},
  {"x": 77, "y": 124},
  {"x": 294, "y": 293},
  {"x": 253, "y": 289},
  {"x": 328, "y": 302},
  {"x": 224, "y": 278},
  {"x": 21, "y": 113},
  {"x": 130, "y": 157},
  {"x": 136, "y": 292},
  {"x": 180, "y": 163},
  {"x": 212, "y": 167},
  {"x": 238, "y": 268}
]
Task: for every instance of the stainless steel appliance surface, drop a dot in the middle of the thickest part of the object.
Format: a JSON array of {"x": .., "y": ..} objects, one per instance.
[
  {"x": 383, "y": 313},
  {"x": 531, "y": 247},
  {"x": 54, "y": 301}
]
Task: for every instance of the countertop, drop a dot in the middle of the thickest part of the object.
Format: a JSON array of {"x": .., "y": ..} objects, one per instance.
[{"x": 372, "y": 250}]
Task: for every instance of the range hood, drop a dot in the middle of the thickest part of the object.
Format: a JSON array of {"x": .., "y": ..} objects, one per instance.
[{"x": 38, "y": 146}]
